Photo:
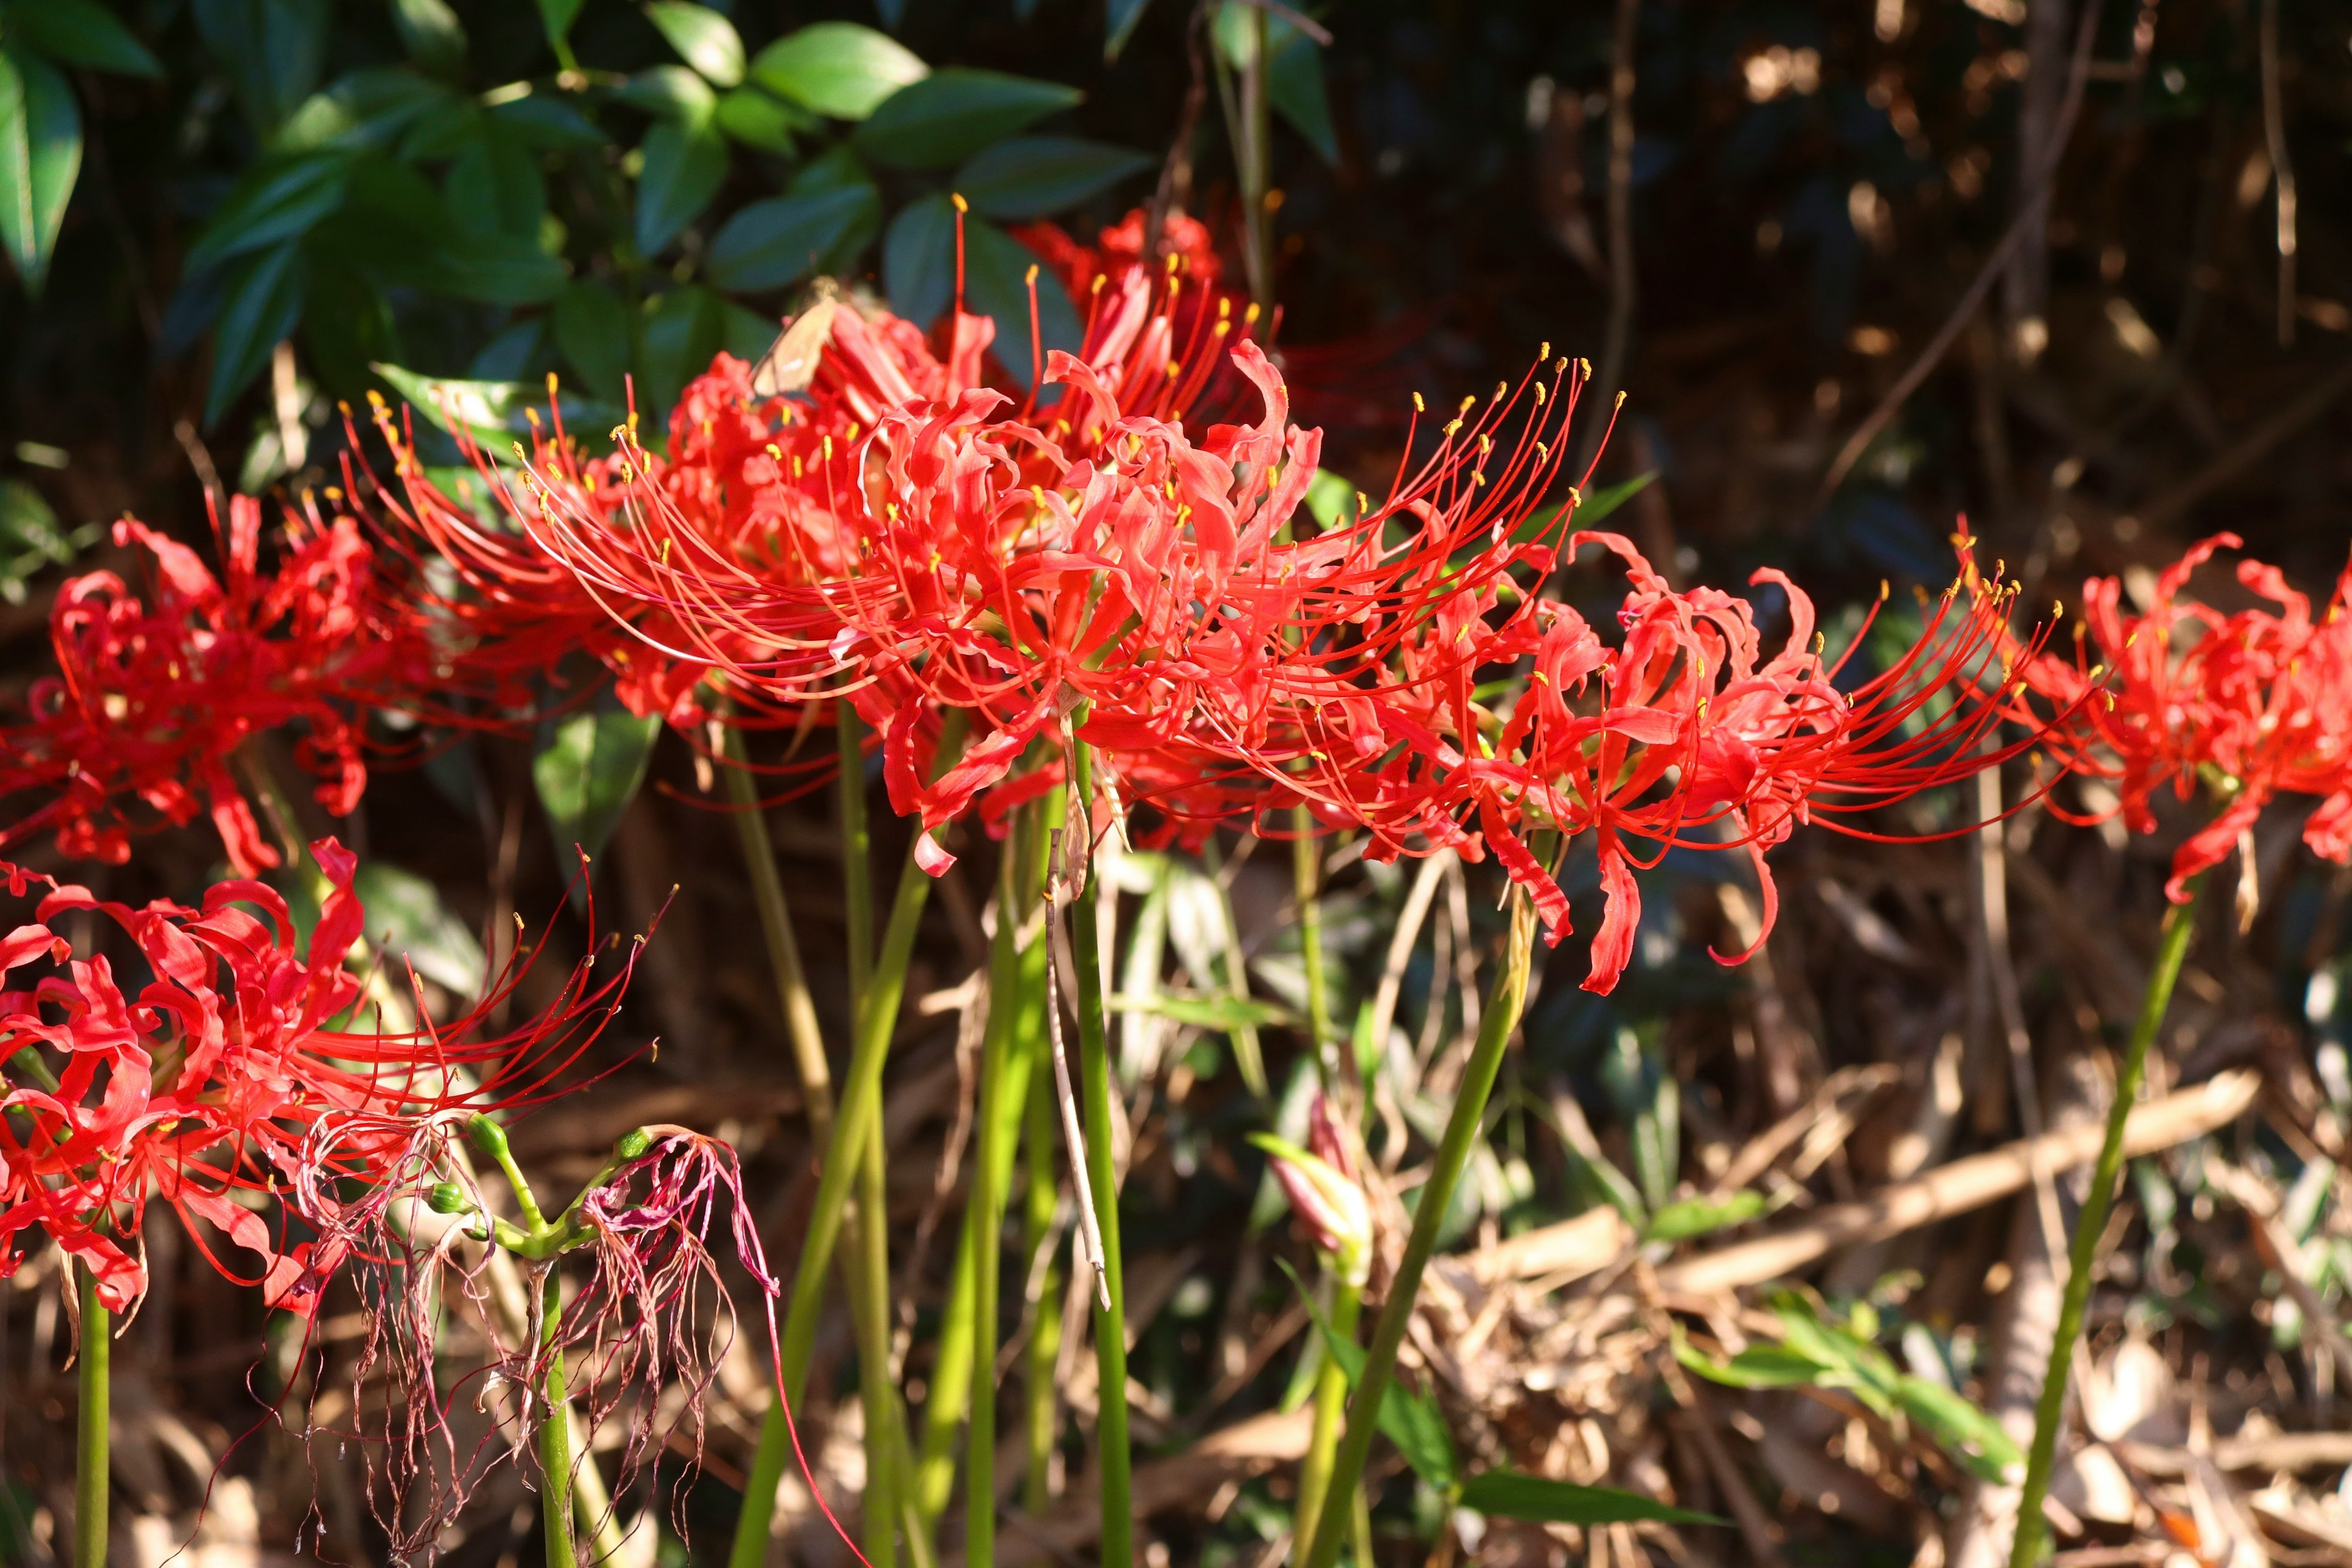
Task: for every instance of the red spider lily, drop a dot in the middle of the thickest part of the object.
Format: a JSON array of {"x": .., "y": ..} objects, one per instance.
[
  {"x": 2255, "y": 704},
  {"x": 203, "y": 1086},
  {"x": 1324, "y": 1192},
  {"x": 153, "y": 697},
  {"x": 1685, "y": 735},
  {"x": 654, "y": 1316}
]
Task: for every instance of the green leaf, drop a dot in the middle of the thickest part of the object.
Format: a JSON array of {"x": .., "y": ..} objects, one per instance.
[
  {"x": 1409, "y": 1420},
  {"x": 279, "y": 199},
  {"x": 591, "y": 332},
  {"x": 683, "y": 330},
  {"x": 271, "y": 50},
  {"x": 494, "y": 187},
  {"x": 589, "y": 767},
  {"x": 1696, "y": 1216},
  {"x": 259, "y": 306},
  {"x": 1959, "y": 1428},
  {"x": 547, "y": 121},
  {"x": 1223, "y": 1014},
  {"x": 684, "y": 166},
  {"x": 759, "y": 119},
  {"x": 996, "y": 268},
  {"x": 770, "y": 244},
  {"x": 702, "y": 37},
  {"x": 1295, "y": 84},
  {"x": 82, "y": 32},
  {"x": 919, "y": 260},
  {"x": 367, "y": 107},
  {"x": 492, "y": 412},
  {"x": 1331, "y": 497},
  {"x": 31, "y": 538},
  {"x": 1029, "y": 176},
  {"x": 429, "y": 30},
  {"x": 837, "y": 68},
  {"x": 1517, "y": 1496},
  {"x": 1119, "y": 19},
  {"x": 406, "y": 916},
  {"x": 40, "y": 157},
  {"x": 498, "y": 269},
  {"x": 1757, "y": 1366},
  {"x": 672, "y": 91},
  {"x": 951, "y": 114},
  {"x": 555, "y": 17}
]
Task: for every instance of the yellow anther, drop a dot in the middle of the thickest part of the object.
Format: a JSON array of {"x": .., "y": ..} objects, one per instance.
[
  {"x": 1030, "y": 275},
  {"x": 1418, "y": 407},
  {"x": 960, "y": 205},
  {"x": 1451, "y": 426},
  {"x": 1467, "y": 404}
]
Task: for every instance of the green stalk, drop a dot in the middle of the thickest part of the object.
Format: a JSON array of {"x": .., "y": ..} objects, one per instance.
[
  {"x": 1331, "y": 1406},
  {"x": 554, "y": 1436},
  {"x": 93, "y": 1372},
  {"x": 1038, "y": 1394},
  {"x": 861, "y": 1094},
  {"x": 1112, "y": 1458},
  {"x": 2172, "y": 948},
  {"x": 868, "y": 1266},
  {"x": 783, "y": 952},
  {"x": 1307, "y": 871},
  {"x": 983, "y": 1228},
  {"x": 1495, "y": 1025}
]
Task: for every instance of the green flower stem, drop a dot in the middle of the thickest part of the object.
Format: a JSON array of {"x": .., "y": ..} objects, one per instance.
[
  {"x": 1307, "y": 871},
  {"x": 1330, "y": 1406},
  {"x": 860, "y": 1100},
  {"x": 985, "y": 1225},
  {"x": 1495, "y": 1025},
  {"x": 2050, "y": 1411},
  {"x": 556, "y": 1437},
  {"x": 1112, "y": 1458},
  {"x": 93, "y": 1372},
  {"x": 1039, "y": 1405},
  {"x": 856, "y": 851},
  {"x": 783, "y": 952}
]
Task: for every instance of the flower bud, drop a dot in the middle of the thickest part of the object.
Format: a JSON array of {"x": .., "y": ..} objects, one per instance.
[
  {"x": 632, "y": 1144},
  {"x": 489, "y": 1138},
  {"x": 447, "y": 1197},
  {"x": 1329, "y": 1203}
]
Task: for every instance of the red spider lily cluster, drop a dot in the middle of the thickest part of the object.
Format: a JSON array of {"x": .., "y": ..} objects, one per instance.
[
  {"x": 2253, "y": 705},
  {"x": 153, "y": 696},
  {"x": 205, "y": 1086}
]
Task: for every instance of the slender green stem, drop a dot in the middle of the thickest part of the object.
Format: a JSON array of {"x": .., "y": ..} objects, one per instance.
[
  {"x": 1495, "y": 1025},
  {"x": 2050, "y": 1411},
  {"x": 1247, "y": 1055},
  {"x": 1040, "y": 1398},
  {"x": 556, "y": 1437},
  {"x": 856, "y": 876},
  {"x": 1307, "y": 871},
  {"x": 861, "y": 1096},
  {"x": 93, "y": 1370},
  {"x": 1112, "y": 1458},
  {"x": 985, "y": 1225},
  {"x": 1330, "y": 1406},
  {"x": 783, "y": 952}
]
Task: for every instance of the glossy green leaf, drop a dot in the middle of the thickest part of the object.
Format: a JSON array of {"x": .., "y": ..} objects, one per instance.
[
  {"x": 684, "y": 166},
  {"x": 758, "y": 118},
  {"x": 555, "y": 18},
  {"x": 771, "y": 243},
  {"x": 1119, "y": 19},
  {"x": 919, "y": 260},
  {"x": 951, "y": 114},
  {"x": 1411, "y": 1421},
  {"x": 429, "y": 30},
  {"x": 682, "y": 331},
  {"x": 279, "y": 199},
  {"x": 1295, "y": 84},
  {"x": 407, "y": 921},
  {"x": 995, "y": 270},
  {"x": 1516, "y": 1496},
  {"x": 672, "y": 91},
  {"x": 492, "y": 412},
  {"x": 367, "y": 107},
  {"x": 1032, "y": 176},
  {"x": 82, "y": 32},
  {"x": 272, "y": 51},
  {"x": 837, "y": 68},
  {"x": 1331, "y": 497},
  {"x": 494, "y": 187},
  {"x": 498, "y": 269},
  {"x": 40, "y": 158},
  {"x": 592, "y": 333},
  {"x": 702, "y": 37},
  {"x": 588, "y": 768},
  {"x": 262, "y": 301},
  {"x": 833, "y": 170},
  {"x": 31, "y": 538},
  {"x": 547, "y": 121},
  {"x": 1697, "y": 1216}
]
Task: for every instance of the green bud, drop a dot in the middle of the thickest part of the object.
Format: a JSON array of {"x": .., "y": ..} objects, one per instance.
[
  {"x": 632, "y": 1144},
  {"x": 488, "y": 1138},
  {"x": 447, "y": 1197}
]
